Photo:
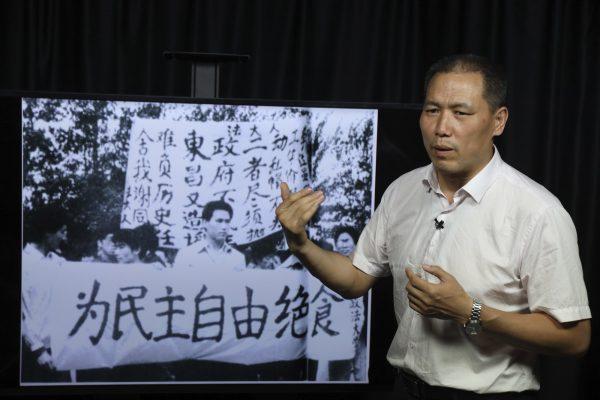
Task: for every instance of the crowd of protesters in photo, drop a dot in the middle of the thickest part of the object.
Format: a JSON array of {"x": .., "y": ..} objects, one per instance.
[{"x": 47, "y": 230}]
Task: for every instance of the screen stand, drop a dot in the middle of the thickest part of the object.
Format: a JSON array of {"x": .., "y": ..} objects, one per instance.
[{"x": 205, "y": 70}]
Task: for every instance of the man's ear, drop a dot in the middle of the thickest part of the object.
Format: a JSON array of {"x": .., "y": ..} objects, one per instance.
[{"x": 500, "y": 118}]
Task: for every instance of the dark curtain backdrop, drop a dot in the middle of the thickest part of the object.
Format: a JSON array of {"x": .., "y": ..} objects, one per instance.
[{"x": 375, "y": 51}]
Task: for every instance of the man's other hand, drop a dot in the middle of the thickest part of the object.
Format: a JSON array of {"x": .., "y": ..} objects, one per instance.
[{"x": 444, "y": 300}]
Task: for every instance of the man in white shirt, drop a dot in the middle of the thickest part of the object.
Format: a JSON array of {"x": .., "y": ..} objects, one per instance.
[
  {"x": 484, "y": 261},
  {"x": 45, "y": 231},
  {"x": 213, "y": 251}
]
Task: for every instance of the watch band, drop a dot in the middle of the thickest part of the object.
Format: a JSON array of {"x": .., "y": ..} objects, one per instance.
[
  {"x": 473, "y": 325},
  {"x": 476, "y": 310}
]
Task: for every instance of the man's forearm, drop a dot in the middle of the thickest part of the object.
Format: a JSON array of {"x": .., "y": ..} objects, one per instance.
[
  {"x": 537, "y": 332},
  {"x": 334, "y": 270}
]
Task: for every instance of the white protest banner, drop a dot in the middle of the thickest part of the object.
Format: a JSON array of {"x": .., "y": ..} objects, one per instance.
[
  {"x": 112, "y": 315},
  {"x": 335, "y": 323}
]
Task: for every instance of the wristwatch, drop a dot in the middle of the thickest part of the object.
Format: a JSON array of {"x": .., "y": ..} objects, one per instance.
[{"x": 473, "y": 325}]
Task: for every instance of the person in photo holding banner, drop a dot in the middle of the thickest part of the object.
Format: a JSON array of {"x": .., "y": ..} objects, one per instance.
[
  {"x": 45, "y": 231},
  {"x": 213, "y": 251},
  {"x": 342, "y": 361},
  {"x": 484, "y": 260},
  {"x": 344, "y": 239}
]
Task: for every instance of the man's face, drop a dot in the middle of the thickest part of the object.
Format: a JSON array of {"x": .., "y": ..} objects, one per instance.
[
  {"x": 458, "y": 125},
  {"x": 54, "y": 240},
  {"x": 270, "y": 262},
  {"x": 106, "y": 248},
  {"x": 344, "y": 243},
  {"x": 217, "y": 227},
  {"x": 124, "y": 254}
]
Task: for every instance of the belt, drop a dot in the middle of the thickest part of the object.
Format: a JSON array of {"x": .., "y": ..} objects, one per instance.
[{"x": 420, "y": 389}]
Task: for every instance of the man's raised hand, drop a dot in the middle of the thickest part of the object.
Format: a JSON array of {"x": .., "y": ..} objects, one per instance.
[{"x": 294, "y": 213}]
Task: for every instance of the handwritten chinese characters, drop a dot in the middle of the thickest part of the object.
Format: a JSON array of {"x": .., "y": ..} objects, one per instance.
[{"x": 175, "y": 168}]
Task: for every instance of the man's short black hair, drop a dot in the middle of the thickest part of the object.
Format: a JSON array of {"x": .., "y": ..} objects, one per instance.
[
  {"x": 107, "y": 227},
  {"x": 44, "y": 220},
  {"x": 147, "y": 236},
  {"x": 128, "y": 237},
  {"x": 494, "y": 78},
  {"x": 345, "y": 229},
  {"x": 211, "y": 206},
  {"x": 142, "y": 239}
]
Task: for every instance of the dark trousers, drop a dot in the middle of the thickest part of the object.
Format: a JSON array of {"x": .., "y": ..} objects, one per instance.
[
  {"x": 338, "y": 370},
  {"x": 410, "y": 387},
  {"x": 32, "y": 372},
  {"x": 198, "y": 371}
]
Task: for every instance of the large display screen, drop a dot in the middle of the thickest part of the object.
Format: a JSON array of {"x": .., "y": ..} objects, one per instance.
[{"x": 151, "y": 251}]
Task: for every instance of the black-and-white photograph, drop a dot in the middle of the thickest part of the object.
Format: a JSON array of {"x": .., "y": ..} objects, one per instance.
[{"x": 152, "y": 252}]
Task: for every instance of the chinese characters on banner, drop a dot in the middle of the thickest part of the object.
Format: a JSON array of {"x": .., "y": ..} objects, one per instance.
[{"x": 150, "y": 315}]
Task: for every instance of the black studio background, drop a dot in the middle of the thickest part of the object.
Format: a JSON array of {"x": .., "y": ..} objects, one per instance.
[{"x": 366, "y": 51}]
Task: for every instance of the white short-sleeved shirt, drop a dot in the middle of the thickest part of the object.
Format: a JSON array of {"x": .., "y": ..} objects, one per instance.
[
  {"x": 506, "y": 239},
  {"x": 203, "y": 255},
  {"x": 34, "y": 295}
]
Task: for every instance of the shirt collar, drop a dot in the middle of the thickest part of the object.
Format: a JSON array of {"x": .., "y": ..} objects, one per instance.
[
  {"x": 203, "y": 247},
  {"x": 31, "y": 250},
  {"x": 477, "y": 186},
  {"x": 430, "y": 179}
]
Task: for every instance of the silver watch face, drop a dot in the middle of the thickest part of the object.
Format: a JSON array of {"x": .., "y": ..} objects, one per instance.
[{"x": 473, "y": 327}]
